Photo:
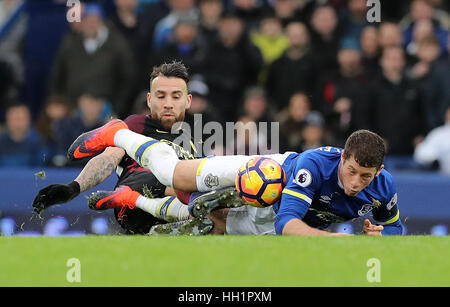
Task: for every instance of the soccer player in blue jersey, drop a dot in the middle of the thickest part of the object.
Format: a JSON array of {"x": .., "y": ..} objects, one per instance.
[
  {"x": 325, "y": 185},
  {"x": 331, "y": 185}
]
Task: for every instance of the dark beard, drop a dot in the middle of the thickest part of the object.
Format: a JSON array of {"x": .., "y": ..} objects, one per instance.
[{"x": 168, "y": 123}]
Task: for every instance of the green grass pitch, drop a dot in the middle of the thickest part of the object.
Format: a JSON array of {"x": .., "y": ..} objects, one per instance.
[{"x": 223, "y": 261}]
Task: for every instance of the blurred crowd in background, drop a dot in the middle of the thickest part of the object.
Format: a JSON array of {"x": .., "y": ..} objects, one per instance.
[{"x": 319, "y": 68}]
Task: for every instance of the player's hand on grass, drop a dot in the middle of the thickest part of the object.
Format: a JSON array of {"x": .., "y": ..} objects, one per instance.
[
  {"x": 371, "y": 229},
  {"x": 55, "y": 194}
]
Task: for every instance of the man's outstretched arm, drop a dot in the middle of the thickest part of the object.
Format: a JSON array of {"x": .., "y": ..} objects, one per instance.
[
  {"x": 300, "y": 228},
  {"x": 99, "y": 168},
  {"x": 95, "y": 172},
  {"x": 293, "y": 208}
]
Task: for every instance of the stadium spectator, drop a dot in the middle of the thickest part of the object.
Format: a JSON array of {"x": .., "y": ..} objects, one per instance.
[
  {"x": 128, "y": 22},
  {"x": 370, "y": 51},
  {"x": 98, "y": 55},
  {"x": 424, "y": 9},
  {"x": 232, "y": 64},
  {"x": 395, "y": 106},
  {"x": 295, "y": 70},
  {"x": 13, "y": 25},
  {"x": 151, "y": 14},
  {"x": 254, "y": 125},
  {"x": 420, "y": 30},
  {"x": 269, "y": 37},
  {"x": 303, "y": 10},
  {"x": 20, "y": 144},
  {"x": 270, "y": 40},
  {"x": 140, "y": 104},
  {"x": 249, "y": 140},
  {"x": 210, "y": 14},
  {"x": 435, "y": 148},
  {"x": 285, "y": 11},
  {"x": 187, "y": 46},
  {"x": 313, "y": 132},
  {"x": 163, "y": 34},
  {"x": 200, "y": 103},
  {"x": 389, "y": 34},
  {"x": 126, "y": 19},
  {"x": 55, "y": 110},
  {"x": 292, "y": 120},
  {"x": 419, "y": 9},
  {"x": 256, "y": 106},
  {"x": 343, "y": 96},
  {"x": 250, "y": 11},
  {"x": 354, "y": 19},
  {"x": 423, "y": 20},
  {"x": 92, "y": 112},
  {"x": 433, "y": 74},
  {"x": 325, "y": 37}
]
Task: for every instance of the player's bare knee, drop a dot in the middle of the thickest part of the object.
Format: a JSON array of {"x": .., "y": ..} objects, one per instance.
[{"x": 184, "y": 178}]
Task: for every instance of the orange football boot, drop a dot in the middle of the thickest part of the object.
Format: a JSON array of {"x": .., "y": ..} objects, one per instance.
[
  {"x": 122, "y": 198},
  {"x": 92, "y": 142}
]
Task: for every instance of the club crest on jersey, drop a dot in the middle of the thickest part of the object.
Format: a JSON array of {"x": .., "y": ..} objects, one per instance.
[
  {"x": 365, "y": 209},
  {"x": 368, "y": 207},
  {"x": 211, "y": 181},
  {"x": 303, "y": 178}
]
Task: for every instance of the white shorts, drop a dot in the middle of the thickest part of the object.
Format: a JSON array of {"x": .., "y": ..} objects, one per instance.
[
  {"x": 220, "y": 171},
  {"x": 249, "y": 220}
]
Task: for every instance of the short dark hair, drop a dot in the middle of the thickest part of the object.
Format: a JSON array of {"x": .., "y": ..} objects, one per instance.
[
  {"x": 174, "y": 69},
  {"x": 14, "y": 103},
  {"x": 366, "y": 147}
]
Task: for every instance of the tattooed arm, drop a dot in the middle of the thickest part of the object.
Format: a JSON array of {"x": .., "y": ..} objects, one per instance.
[
  {"x": 95, "y": 172},
  {"x": 99, "y": 168}
]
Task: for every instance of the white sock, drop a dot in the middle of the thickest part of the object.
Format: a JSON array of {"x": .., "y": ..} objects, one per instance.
[
  {"x": 129, "y": 140},
  {"x": 152, "y": 154},
  {"x": 168, "y": 208},
  {"x": 219, "y": 172}
]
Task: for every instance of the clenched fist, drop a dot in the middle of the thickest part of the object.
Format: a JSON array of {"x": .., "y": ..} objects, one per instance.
[{"x": 55, "y": 194}]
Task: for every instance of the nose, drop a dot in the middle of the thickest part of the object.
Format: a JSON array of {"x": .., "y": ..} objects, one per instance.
[
  {"x": 168, "y": 104},
  {"x": 355, "y": 183}
]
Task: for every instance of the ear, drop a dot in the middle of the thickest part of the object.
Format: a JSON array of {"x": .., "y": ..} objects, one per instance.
[
  {"x": 188, "y": 101},
  {"x": 379, "y": 171},
  {"x": 342, "y": 156},
  {"x": 149, "y": 95}
]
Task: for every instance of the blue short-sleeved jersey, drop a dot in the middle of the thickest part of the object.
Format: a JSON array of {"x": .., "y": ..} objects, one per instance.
[{"x": 314, "y": 194}]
